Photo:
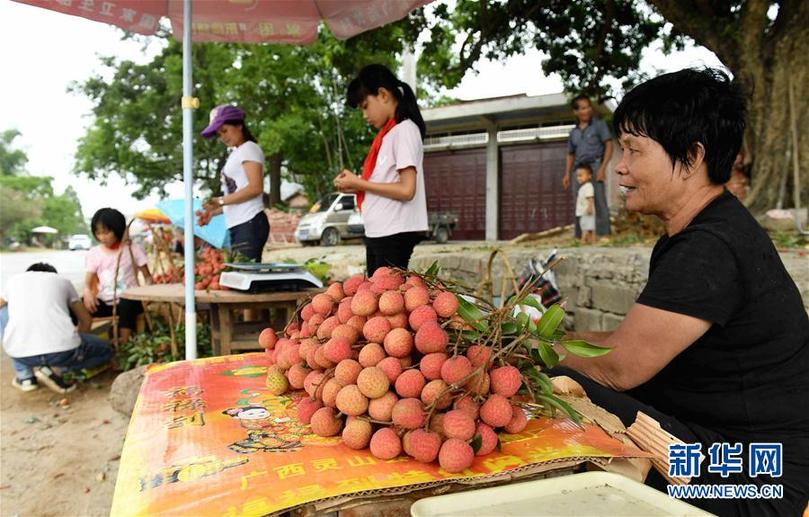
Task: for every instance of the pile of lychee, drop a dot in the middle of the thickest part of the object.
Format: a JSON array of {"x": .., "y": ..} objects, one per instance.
[{"x": 385, "y": 366}]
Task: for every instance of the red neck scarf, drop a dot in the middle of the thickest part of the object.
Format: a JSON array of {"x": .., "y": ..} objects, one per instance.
[{"x": 370, "y": 160}]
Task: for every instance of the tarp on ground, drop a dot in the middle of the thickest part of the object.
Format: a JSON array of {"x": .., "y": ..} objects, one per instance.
[{"x": 206, "y": 437}]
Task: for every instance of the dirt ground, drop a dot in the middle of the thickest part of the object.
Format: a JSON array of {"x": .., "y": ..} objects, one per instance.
[{"x": 59, "y": 454}]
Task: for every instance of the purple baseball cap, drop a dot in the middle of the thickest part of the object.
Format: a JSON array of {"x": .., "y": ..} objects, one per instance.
[{"x": 220, "y": 115}]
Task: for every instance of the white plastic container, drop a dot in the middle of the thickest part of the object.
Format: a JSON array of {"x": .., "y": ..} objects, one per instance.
[{"x": 586, "y": 494}]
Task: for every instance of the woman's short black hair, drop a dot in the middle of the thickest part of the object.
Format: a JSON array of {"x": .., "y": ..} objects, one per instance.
[
  {"x": 111, "y": 219},
  {"x": 42, "y": 266},
  {"x": 681, "y": 109}
]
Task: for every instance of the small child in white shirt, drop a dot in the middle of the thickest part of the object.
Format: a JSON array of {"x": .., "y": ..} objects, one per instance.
[{"x": 585, "y": 210}]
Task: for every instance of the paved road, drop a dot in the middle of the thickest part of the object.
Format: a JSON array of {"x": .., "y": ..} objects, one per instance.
[{"x": 69, "y": 264}]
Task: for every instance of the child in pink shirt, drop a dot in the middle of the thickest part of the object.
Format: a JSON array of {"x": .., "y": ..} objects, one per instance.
[{"x": 102, "y": 289}]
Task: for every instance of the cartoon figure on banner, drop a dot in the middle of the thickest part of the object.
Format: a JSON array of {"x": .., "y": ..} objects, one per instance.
[
  {"x": 265, "y": 432},
  {"x": 189, "y": 470}
]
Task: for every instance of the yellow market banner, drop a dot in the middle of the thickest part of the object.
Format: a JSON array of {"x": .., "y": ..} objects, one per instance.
[{"x": 206, "y": 438}]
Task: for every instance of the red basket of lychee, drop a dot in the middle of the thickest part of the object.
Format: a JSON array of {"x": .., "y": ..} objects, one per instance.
[{"x": 403, "y": 364}]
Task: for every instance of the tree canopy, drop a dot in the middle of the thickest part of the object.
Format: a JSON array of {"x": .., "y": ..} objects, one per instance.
[{"x": 29, "y": 201}]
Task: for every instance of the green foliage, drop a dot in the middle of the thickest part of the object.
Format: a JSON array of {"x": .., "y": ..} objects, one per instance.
[
  {"x": 12, "y": 161},
  {"x": 589, "y": 43},
  {"x": 28, "y": 201},
  {"x": 293, "y": 96},
  {"x": 155, "y": 347}
]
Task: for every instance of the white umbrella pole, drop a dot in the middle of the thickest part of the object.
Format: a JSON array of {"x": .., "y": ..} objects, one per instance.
[{"x": 188, "y": 181}]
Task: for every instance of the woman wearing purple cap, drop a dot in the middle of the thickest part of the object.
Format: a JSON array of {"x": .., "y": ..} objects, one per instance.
[{"x": 242, "y": 184}]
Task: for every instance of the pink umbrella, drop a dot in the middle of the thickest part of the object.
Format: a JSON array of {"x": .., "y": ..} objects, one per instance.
[{"x": 253, "y": 21}]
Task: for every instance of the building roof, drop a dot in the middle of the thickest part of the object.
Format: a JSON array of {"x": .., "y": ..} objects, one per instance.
[{"x": 511, "y": 111}]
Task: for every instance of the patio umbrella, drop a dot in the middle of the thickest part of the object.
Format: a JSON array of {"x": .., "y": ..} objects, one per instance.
[
  {"x": 44, "y": 229},
  {"x": 214, "y": 233},
  {"x": 255, "y": 21},
  {"x": 153, "y": 215}
]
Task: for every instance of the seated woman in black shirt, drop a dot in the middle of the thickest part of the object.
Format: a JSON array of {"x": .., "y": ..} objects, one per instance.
[{"x": 717, "y": 346}]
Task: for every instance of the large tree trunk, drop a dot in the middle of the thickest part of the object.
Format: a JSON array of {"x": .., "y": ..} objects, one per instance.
[
  {"x": 274, "y": 169},
  {"x": 766, "y": 57}
]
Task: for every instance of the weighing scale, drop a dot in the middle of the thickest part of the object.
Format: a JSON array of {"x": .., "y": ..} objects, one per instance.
[{"x": 264, "y": 277}]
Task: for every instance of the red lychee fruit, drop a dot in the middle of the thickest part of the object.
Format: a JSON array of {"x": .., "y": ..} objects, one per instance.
[
  {"x": 409, "y": 384},
  {"x": 518, "y": 421},
  {"x": 357, "y": 433},
  {"x": 488, "y": 439},
  {"x": 445, "y": 304},
  {"x": 430, "y": 365},
  {"x": 329, "y": 392},
  {"x": 364, "y": 303},
  {"x": 505, "y": 380},
  {"x": 267, "y": 338},
  {"x": 335, "y": 291},
  {"x": 392, "y": 368},
  {"x": 296, "y": 375},
  {"x": 415, "y": 297},
  {"x": 336, "y": 349},
  {"x": 422, "y": 445},
  {"x": 350, "y": 285},
  {"x": 381, "y": 408},
  {"x": 468, "y": 405},
  {"x": 398, "y": 343},
  {"x": 324, "y": 422},
  {"x": 373, "y": 382},
  {"x": 351, "y": 401},
  {"x": 432, "y": 390},
  {"x": 327, "y": 327},
  {"x": 455, "y": 455},
  {"x": 358, "y": 323},
  {"x": 306, "y": 408},
  {"x": 420, "y": 315},
  {"x": 458, "y": 424},
  {"x": 479, "y": 354},
  {"x": 431, "y": 338},
  {"x": 322, "y": 304},
  {"x": 347, "y": 371},
  {"x": 347, "y": 332},
  {"x": 307, "y": 312},
  {"x": 496, "y": 411},
  {"x": 408, "y": 413},
  {"x": 455, "y": 369},
  {"x": 398, "y": 321},
  {"x": 371, "y": 354},
  {"x": 385, "y": 444},
  {"x": 344, "y": 310},
  {"x": 375, "y": 329},
  {"x": 312, "y": 382},
  {"x": 390, "y": 303}
]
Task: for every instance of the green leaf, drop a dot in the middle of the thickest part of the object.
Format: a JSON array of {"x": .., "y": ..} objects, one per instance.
[
  {"x": 559, "y": 404},
  {"x": 433, "y": 269},
  {"x": 544, "y": 383},
  {"x": 509, "y": 327},
  {"x": 523, "y": 320},
  {"x": 549, "y": 356},
  {"x": 585, "y": 349},
  {"x": 532, "y": 302},
  {"x": 476, "y": 443},
  {"x": 471, "y": 314},
  {"x": 550, "y": 321}
]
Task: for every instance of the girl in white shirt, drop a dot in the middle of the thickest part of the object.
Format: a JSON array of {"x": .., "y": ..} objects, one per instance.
[
  {"x": 242, "y": 184},
  {"x": 390, "y": 191}
]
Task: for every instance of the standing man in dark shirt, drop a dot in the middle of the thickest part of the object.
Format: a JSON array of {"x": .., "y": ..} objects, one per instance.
[
  {"x": 716, "y": 348},
  {"x": 589, "y": 143}
]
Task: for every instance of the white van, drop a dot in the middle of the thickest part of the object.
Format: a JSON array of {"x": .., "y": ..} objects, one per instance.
[{"x": 327, "y": 221}]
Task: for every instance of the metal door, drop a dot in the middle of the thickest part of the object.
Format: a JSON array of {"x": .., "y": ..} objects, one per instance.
[{"x": 456, "y": 182}]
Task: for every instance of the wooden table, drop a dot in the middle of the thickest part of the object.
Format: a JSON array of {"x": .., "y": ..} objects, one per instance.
[{"x": 227, "y": 333}]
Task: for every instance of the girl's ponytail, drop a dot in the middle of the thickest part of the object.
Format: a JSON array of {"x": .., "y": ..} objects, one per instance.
[
  {"x": 373, "y": 77},
  {"x": 408, "y": 107}
]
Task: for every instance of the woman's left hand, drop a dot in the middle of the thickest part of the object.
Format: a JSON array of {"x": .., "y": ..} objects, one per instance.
[{"x": 347, "y": 181}]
